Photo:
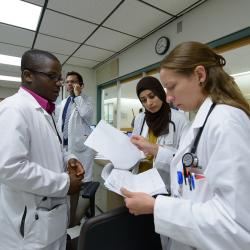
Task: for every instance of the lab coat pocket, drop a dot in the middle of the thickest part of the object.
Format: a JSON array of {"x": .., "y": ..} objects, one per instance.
[
  {"x": 50, "y": 225},
  {"x": 199, "y": 188}
]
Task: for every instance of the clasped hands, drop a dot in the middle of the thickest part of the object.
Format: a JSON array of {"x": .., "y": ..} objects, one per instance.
[{"x": 76, "y": 173}]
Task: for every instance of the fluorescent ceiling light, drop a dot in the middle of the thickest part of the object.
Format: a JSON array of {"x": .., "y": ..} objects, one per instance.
[
  {"x": 11, "y": 60},
  {"x": 241, "y": 74},
  {"x": 10, "y": 78},
  {"x": 20, "y": 14}
]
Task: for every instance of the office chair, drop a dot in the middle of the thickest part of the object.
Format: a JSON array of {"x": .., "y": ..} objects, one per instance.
[
  {"x": 88, "y": 191},
  {"x": 119, "y": 230}
]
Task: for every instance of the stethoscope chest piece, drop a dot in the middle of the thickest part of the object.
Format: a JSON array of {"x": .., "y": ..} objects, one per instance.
[{"x": 189, "y": 160}]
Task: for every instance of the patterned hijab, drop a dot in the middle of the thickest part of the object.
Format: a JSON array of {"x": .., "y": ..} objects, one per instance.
[{"x": 158, "y": 122}]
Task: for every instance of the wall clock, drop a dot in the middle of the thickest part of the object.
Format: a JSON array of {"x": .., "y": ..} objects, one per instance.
[{"x": 162, "y": 45}]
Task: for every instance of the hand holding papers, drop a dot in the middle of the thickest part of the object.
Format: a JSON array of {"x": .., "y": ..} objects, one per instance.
[
  {"x": 114, "y": 145},
  {"x": 149, "y": 182}
]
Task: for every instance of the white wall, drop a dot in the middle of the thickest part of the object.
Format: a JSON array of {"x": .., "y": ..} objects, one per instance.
[
  {"x": 89, "y": 80},
  {"x": 210, "y": 21}
]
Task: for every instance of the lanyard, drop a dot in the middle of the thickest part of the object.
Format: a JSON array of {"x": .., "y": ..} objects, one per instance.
[{"x": 59, "y": 138}]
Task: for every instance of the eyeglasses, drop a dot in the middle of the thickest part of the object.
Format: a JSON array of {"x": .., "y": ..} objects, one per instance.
[{"x": 51, "y": 76}]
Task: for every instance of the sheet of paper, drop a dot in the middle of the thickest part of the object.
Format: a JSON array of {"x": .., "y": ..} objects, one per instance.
[
  {"x": 106, "y": 171},
  {"x": 114, "y": 145},
  {"x": 149, "y": 182}
]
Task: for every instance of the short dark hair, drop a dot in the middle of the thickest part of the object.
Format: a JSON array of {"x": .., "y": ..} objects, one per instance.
[
  {"x": 76, "y": 74},
  {"x": 31, "y": 58}
]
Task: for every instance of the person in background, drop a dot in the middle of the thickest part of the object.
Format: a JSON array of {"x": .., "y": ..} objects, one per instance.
[
  {"x": 209, "y": 207},
  {"x": 33, "y": 178},
  {"x": 74, "y": 119},
  {"x": 133, "y": 121},
  {"x": 158, "y": 125}
]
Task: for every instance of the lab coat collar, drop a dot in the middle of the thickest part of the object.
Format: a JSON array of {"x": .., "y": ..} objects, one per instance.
[
  {"x": 202, "y": 113},
  {"x": 200, "y": 117},
  {"x": 33, "y": 102}
]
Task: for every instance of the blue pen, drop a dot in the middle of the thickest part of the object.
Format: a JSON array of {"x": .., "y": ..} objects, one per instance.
[
  {"x": 180, "y": 178},
  {"x": 193, "y": 180}
]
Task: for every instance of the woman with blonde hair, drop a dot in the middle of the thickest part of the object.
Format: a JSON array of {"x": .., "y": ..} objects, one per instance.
[{"x": 210, "y": 172}]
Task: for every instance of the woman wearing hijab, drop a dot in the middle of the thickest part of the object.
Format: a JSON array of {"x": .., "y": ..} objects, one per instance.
[{"x": 159, "y": 124}]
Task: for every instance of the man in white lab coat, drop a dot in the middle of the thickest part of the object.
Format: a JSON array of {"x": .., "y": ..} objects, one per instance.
[
  {"x": 34, "y": 182},
  {"x": 75, "y": 115}
]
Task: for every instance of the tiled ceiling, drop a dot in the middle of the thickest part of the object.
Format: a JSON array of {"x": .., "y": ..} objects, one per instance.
[{"x": 88, "y": 33}]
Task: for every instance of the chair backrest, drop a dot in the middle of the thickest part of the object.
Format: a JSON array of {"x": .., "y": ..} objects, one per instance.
[{"x": 119, "y": 230}]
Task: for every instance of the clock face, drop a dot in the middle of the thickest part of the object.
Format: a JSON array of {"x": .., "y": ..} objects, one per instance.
[{"x": 162, "y": 45}]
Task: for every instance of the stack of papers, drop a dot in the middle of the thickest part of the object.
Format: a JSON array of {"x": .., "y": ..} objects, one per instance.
[
  {"x": 149, "y": 182},
  {"x": 114, "y": 145}
]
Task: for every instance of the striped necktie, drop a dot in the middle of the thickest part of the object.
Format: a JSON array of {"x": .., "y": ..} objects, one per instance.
[{"x": 65, "y": 118}]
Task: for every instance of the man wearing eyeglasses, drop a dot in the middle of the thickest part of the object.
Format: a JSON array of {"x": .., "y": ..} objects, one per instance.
[
  {"x": 75, "y": 118},
  {"x": 34, "y": 176}
]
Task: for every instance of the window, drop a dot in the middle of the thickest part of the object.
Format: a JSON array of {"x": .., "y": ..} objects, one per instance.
[
  {"x": 109, "y": 105},
  {"x": 129, "y": 103}
]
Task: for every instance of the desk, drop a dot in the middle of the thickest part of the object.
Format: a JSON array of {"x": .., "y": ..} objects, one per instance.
[{"x": 104, "y": 199}]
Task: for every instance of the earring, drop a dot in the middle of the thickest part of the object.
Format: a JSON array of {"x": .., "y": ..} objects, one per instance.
[{"x": 201, "y": 83}]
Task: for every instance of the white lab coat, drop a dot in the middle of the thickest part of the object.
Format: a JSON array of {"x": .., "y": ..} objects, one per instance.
[
  {"x": 31, "y": 168},
  {"x": 216, "y": 214},
  {"x": 78, "y": 130},
  {"x": 169, "y": 141}
]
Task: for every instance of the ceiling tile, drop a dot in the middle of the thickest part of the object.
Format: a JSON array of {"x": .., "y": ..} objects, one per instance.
[
  {"x": 88, "y": 52},
  {"x": 66, "y": 27},
  {"x": 11, "y": 50},
  {"x": 9, "y": 70},
  {"x": 37, "y": 2},
  {"x": 61, "y": 58},
  {"x": 91, "y": 10},
  {"x": 142, "y": 18},
  {"x": 170, "y": 6},
  {"x": 110, "y": 40},
  {"x": 82, "y": 62},
  {"x": 55, "y": 45},
  {"x": 16, "y": 36}
]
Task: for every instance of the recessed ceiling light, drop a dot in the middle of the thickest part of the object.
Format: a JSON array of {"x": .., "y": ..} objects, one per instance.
[
  {"x": 241, "y": 74},
  {"x": 10, "y": 78},
  {"x": 20, "y": 14},
  {"x": 11, "y": 60}
]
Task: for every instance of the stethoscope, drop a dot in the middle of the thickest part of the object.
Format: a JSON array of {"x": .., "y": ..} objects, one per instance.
[
  {"x": 190, "y": 159},
  {"x": 143, "y": 123}
]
